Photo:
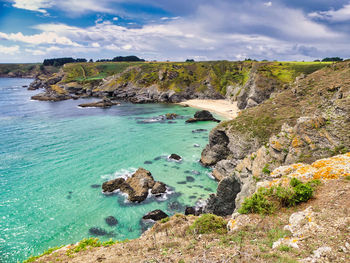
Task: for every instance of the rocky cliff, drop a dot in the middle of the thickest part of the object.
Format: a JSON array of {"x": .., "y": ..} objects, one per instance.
[{"x": 308, "y": 121}]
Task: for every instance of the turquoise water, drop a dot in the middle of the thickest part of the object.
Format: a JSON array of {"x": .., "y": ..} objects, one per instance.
[{"x": 52, "y": 153}]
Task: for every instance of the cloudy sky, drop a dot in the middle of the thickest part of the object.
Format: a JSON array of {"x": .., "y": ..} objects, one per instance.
[{"x": 31, "y": 30}]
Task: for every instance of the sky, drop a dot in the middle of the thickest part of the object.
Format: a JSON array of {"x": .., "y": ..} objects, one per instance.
[{"x": 175, "y": 30}]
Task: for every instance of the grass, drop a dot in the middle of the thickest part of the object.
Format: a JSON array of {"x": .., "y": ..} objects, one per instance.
[
  {"x": 208, "y": 223},
  {"x": 47, "y": 252}
]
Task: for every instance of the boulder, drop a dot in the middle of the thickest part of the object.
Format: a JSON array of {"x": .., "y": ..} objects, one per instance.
[
  {"x": 155, "y": 215},
  {"x": 175, "y": 157},
  {"x": 171, "y": 116},
  {"x": 137, "y": 185},
  {"x": 202, "y": 115},
  {"x": 105, "y": 103},
  {"x": 158, "y": 188},
  {"x": 112, "y": 185}
]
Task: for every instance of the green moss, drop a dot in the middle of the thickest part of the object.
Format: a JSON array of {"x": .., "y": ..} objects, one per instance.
[
  {"x": 266, "y": 169},
  {"x": 208, "y": 223},
  {"x": 164, "y": 220}
]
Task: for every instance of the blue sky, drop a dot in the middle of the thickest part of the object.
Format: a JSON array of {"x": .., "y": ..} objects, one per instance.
[{"x": 31, "y": 30}]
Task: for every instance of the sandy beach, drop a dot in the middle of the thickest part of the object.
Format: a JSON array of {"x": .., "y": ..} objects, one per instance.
[{"x": 223, "y": 108}]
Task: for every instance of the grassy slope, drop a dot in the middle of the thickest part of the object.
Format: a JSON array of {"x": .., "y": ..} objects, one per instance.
[
  {"x": 313, "y": 95},
  {"x": 178, "y": 75},
  {"x": 26, "y": 69}
]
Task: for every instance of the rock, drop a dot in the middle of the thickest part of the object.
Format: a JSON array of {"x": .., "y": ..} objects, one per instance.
[
  {"x": 148, "y": 162},
  {"x": 171, "y": 116},
  {"x": 203, "y": 115},
  {"x": 112, "y": 185},
  {"x": 111, "y": 221},
  {"x": 105, "y": 103},
  {"x": 95, "y": 186},
  {"x": 137, "y": 185},
  {"x": 190, "y": 210},
  {"x": 158, "y": 188},
  {"x": 155, "y": 215},
  {"x": 199, "y": 130},
  {"x": 223, "y": 202},
  {"x": 97, "y": 231},
  {"x": 190, "y": 179},
  {"x": 175, "y": 157}
]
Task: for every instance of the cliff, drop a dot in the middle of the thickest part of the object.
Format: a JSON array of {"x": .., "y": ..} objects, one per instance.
[
  {"x": 248, "y": 82},
  {"x": 29, "y": 70}
]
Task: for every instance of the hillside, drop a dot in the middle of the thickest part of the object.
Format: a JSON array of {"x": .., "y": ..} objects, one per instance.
[
  {"x": 30, "y": 70},
  {"x": 313, "y": 231},
  {"x": 174, "y": 82}
]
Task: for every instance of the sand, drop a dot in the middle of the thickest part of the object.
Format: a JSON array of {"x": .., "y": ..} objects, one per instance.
[{"x": 224, "y": 108}]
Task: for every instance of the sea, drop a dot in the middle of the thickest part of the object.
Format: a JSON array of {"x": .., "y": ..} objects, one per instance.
[{"x": 54, "y": 156}]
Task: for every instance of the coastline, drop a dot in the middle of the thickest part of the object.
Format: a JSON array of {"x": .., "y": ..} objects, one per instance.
[{"x": 223, "y": 108}]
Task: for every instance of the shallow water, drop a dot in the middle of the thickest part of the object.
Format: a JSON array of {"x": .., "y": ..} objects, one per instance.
[{"x": 52, "y": 153}]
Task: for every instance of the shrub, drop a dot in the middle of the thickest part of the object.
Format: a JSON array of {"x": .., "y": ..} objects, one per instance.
[
  {"x": 209, "y": 223},
  {"x": 266, "y": 169},
  {"x": 164, "y": 220},
  {"x": 264, "y": 201},
  {"x": 257, "y": 203}
]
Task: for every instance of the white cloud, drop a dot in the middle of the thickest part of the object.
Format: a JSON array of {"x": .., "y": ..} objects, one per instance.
[
  {"x": 9, "y": 50},
  {"x": 33, "y": 5},
  {"x": 37, "y": 39},
  {"x": 115, "y": 18},
  {"x": 268, "y": 4},
  {"x": 127, "y": 47},
  {"x": 95, "y": 44},
  {"x": 342, "y": 14},
  {"x": 35, "y": 52}
]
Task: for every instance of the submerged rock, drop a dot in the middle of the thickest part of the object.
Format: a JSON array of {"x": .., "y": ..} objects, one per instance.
[
  {"x": 111, "y": 221},
  {"x": 97, "y": 231},
  {"x": 202, "y": 115},
  {"x": 155, "y": 215},
  {"x": 171, "y": 116}
]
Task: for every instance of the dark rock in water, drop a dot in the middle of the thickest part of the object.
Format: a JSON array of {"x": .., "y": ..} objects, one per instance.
[
  {"x": 202, "y": 115},
  {"x": 110, "y": 186},
  {"x": 199, "y": 186},
  {"x": 189, "y": 179},
  {"x": 199, "y": 130},
  {"x": 190, "y": 210},
  {"x": 189, "y": 186},
  {"x": 175, "y": 167},
  {"x": 175, "y": 206},
  {"x": 111, "y": 221},
  {"x": 155, "y": 215},
  {"x": 137, "y": 186},
  {"x": 175, "y": 157},
  {"x": 70, "y": 192},
  {"x": 196, "y": 145},
  {"x": 195, "y": 172},
  {"x": 208, "y": 189},
  {"x": 147, "y": 162},
  {"x": 97, "y": 231},
  {"x": 157, "y": 158},
  {"x": 146, "y": 224},
  {"x": 95, "y": 186},
  {"x": 105, "y": 103},
  {"x": 171, "y": 116},
  {"x": 223, "y": 202},
  {"x": 24, "y": 86},
  {"x": 192, "y": 197},
  {"x": 172, "y": 122},
  {"x": 158, "y": 188},
  {"x": 69, "y": 197},
  {"x": 182, "y": 182},
  {"x": 187, "y": 172}
]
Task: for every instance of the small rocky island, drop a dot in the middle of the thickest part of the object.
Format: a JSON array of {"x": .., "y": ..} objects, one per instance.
[{"x": 137, "y": 186}]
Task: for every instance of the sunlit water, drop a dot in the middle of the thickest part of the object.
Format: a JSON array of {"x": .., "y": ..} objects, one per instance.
[{"x": 51, "y": 153}]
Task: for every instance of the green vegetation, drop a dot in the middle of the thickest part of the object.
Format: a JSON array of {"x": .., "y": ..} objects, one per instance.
[
  {"x": 164, "y": 220},
  {"x": 30, "y": 69},
  {"x": 209, "y": 223},
  {"x": 267, "y": 200},
  {"x": 47, "y": 252},
  {"x": 266, "y": 169}
]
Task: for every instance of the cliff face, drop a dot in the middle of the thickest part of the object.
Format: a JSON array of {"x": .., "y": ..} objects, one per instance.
[
  {"x": 29, "y": 70},
  {"x": 306, "y": 122},
  {"x": 249, "y": 83}
]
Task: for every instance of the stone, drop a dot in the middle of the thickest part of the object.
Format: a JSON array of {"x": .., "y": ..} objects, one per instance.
[
  {"x": 189, "y": 179},
  {"x": 175, "y": 157},
  {"x": 190, "y": 210},
  {"x": 105, "y": 103},
  {"x": 112, "y": 185},
  {"x": 171, "y": 116},
  {"x": 158, "y": 188},
  {"x": 111, "y": 221},
  {"x": 155, "y": 215},
  {"x": 202, "y": 115}
]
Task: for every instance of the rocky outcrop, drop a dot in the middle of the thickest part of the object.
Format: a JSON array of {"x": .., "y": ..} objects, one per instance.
[
  {"x": 223, "y": 202},
  {"x": 202, "y": 115},
  {"x": 175, "y": 157},
  {"x": 105, "y": 103},
  {"x": 155, "y": 215},
  {"x": 137, "y": 186}
]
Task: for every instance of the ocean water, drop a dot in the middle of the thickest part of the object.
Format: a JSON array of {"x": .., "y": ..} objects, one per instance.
[{"x": 52, "y": 153}]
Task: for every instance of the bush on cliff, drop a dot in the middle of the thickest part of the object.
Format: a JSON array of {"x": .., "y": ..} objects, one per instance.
[
  {"x": 208, "y": 223},
  {"x": 267, "y": 200}
]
